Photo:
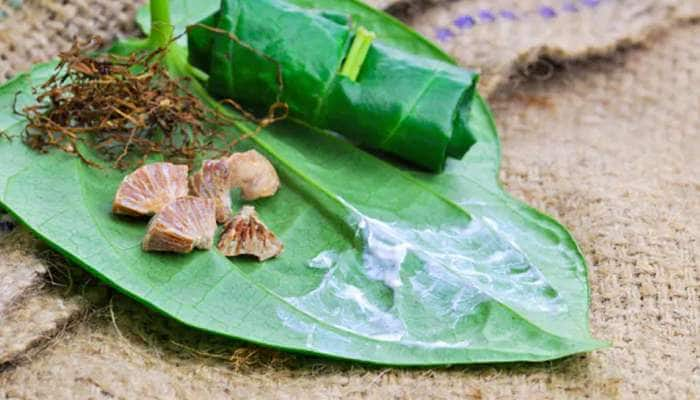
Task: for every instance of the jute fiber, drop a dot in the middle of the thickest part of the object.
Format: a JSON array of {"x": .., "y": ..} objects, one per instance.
[
  {"x": 502, "y": 38},
  {"x": 606, "y": 140}
]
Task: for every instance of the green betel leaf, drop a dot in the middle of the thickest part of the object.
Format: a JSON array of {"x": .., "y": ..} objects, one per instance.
[
  {"x": 409, "y": 106},
  {"x": 381, "y": 264},
  {"x": 394, "y": 32}
]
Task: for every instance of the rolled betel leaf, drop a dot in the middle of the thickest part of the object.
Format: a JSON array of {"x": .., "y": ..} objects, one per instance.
[{"x": 336, "y": 76}]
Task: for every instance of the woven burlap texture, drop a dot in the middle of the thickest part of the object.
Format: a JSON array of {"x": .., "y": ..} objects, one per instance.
[
  {"x": 502, "y": 37},
  {"x": 39, "y": 29},
  {"x": 608, "y": 147},
  {"x": 18, "y": 273}
]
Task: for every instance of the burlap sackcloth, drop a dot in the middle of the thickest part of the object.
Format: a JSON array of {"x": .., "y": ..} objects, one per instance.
[{"x": 598, "y": 109}]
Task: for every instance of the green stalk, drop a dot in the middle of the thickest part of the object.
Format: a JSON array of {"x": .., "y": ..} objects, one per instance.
[
  {"x": 358, "y": 53},
  {"x": 161, "y": 28},
  {"x": 161, "y": 37}
]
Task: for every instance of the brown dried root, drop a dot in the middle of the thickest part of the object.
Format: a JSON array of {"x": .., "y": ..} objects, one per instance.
[
  {"x": 247, "y": 235},
  {"x": 183, "y": 225},
  {"x": 150, "y": 188},
  {"x": 125, "y": 109}
]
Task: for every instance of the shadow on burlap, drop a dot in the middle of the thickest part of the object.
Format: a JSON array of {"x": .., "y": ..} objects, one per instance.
[{"x": 608, "y": 145}]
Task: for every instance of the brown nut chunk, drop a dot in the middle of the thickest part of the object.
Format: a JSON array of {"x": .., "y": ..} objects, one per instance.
[
  {"x": 247, "y": 235},
  {"x": 254, "y": 174},
  {"x": 150, "y": 188},
  {"x": 212, "y": 182},
  {"x": 183, "y": 225}
]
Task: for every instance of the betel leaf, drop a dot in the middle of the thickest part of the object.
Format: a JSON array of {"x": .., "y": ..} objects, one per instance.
[
  {"x": 381, "y": 264},
  {"x": 390, "y": 105},
  {"x": 394, "y": 32}
]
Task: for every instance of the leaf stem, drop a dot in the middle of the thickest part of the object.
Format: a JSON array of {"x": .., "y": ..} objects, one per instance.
[
  {"x": 161, "y": 28},
  {"x": 358, "y": 53}
]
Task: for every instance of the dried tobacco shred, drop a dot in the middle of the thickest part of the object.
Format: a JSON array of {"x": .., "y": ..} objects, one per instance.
[{"x": 125, "y": 109}]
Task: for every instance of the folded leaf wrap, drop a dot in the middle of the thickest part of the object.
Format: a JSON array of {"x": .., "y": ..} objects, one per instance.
[{"x": 409, "y": 106}]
